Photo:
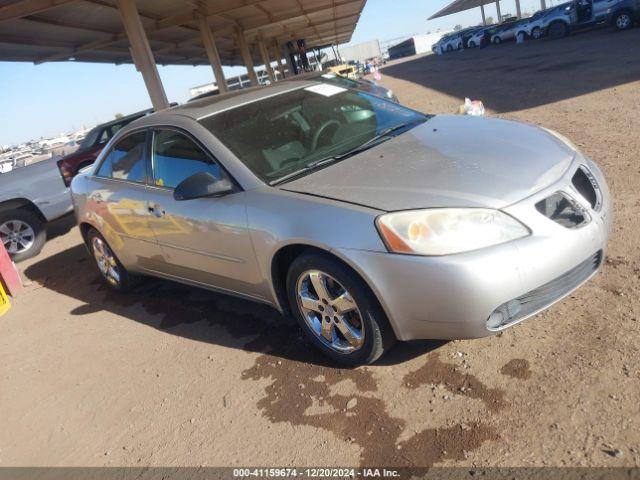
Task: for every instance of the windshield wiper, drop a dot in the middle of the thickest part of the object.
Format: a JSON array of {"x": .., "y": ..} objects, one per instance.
[{"x": 377, "y": 139}]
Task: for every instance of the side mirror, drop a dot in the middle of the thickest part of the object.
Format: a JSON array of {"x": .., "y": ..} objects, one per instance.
[{"x": 202, "y": 185}]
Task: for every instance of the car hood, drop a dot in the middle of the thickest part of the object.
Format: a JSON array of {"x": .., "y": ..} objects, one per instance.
[{"x": 448, "y": 161}]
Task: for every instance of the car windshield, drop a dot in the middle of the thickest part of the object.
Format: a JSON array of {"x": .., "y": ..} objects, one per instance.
[{"x": 300, "y": 130}]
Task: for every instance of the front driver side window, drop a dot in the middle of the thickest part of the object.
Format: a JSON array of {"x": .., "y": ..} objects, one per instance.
[
  {"x": 126, "y": 159},
  {"x": 176, "y": 157}
]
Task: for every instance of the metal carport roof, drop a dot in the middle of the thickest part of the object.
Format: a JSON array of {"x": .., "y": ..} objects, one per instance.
[
  {"x": 459, "y": 6},
  {"x": 462, "y": 5},
  {"x": 92, "y": 30}
]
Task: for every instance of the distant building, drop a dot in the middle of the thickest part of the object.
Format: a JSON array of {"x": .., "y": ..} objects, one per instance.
[
  {"x": 234, "y": 83},
  {"x": 415, "y": 45},
  {"x": 51, "y": 143}
]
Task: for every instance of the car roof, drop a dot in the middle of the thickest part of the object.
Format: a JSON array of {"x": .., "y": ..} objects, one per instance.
[{"x": 219, "y": 103}]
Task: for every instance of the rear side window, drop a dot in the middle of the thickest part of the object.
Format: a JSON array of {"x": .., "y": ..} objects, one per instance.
[
  {"x": 176, "y": 157},
  {"x": 126, "y": 159},
  {"x": 105, "y": 136}
]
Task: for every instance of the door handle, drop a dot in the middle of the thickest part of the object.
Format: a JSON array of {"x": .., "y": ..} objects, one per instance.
[{"x": 155, "y": 209}]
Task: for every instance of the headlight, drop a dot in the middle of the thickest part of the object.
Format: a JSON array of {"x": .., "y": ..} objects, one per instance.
[{"x": 442, "y": 231}]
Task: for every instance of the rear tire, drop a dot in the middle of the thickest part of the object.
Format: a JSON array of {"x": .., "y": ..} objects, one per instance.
[
  {"x": 558, "y": 30},
  {"x": 23, "y": 233},
  {"x": 112, "y": 271},
  {"x": 623, "y": 20},
  {"x": 449, "y": 48},
  {"x": 321, "y": 314},
  {"x": 497, "y": 41}
]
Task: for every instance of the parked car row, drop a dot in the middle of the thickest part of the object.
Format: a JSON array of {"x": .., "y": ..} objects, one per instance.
[{"x": 555, "y": 22}]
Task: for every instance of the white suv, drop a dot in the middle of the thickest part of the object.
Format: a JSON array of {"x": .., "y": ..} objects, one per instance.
[
  {"x": 532, "y": 26},
  {"x": 505, "y": 32},
  {"x": 451, "y": 43}
]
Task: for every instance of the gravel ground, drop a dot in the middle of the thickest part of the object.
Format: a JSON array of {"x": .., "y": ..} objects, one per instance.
[{"x": 176, "y": 376}]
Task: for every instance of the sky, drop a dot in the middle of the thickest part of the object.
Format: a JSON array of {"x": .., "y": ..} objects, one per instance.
[{"x": 53, "y": 98}]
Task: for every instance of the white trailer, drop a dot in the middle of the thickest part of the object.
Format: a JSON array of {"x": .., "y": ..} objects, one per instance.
[{"x": 361, "y": 51}]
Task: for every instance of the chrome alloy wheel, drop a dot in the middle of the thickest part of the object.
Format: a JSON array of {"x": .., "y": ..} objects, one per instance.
[
  {"x": 17, "y": 236},
  {"x": 330, "y": 311},
  {"x": 623, "y": 21},
  {"x": 106, "y": 261}
]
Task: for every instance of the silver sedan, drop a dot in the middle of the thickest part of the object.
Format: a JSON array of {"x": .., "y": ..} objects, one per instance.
[{"x": 365, "y": 220}]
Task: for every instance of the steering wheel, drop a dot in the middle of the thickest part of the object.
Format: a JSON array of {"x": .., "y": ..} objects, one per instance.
[{"x": 320, "y": 131}]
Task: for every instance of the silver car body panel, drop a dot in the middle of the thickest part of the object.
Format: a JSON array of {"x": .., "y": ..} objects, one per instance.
[
  {"x": 449, "y": 161},
  {"x": 452, "y": 296},
  {"x": 229, "y": 243}
]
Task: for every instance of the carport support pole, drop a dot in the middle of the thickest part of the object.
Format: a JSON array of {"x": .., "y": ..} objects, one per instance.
[
  {"x": 212, "y": 52},
  {"x": 287, "y": 58},
  {"x": 543, "y": 5},
  {"x": 484, "y": 17},
  {"x": 246, "y": 57},
  {"x": 278, "y": 53},
  {"x": 498, "y": 11},
  {"x": 518, "y": 11},
  {"x": 141, "y": 53},
  {"x": 266, "y": 60}
]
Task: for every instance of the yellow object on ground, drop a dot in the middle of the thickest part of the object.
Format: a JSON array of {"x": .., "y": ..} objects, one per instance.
[
  {"x": 4, "y": 301},
  {"x": 345, "y": 70}
]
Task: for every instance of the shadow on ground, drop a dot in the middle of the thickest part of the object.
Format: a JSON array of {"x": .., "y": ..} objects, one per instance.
[
  {"x": 514, "y": 77},
  {"x": 60, "y": 227},
  {"x": 191, "y": 312}
]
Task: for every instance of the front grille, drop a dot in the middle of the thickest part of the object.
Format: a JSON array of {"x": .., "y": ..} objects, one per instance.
[
  {"x": 586, "y": 186},
  {"x": 562, "y": 210},
  {"x": 562, "y": 207},
  {"x": 542, "y": 297}
]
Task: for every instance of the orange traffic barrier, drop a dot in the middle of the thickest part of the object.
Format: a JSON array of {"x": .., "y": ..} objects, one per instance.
[{"x": 9, "y": 276}]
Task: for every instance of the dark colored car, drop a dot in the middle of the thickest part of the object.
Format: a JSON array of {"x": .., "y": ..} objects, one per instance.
[{"x": 92, "y": 145}]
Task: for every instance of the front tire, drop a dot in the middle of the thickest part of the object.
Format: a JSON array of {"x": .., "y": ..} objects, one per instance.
[
  {"x": 112, "y": 271},
  {"x": 22, "y": 233},
  {"x": 337, "y": 311},
  {"x": 497, "y": 41},
  {"x": 623, "y": 20},
  {"x": 536, "y": 33}
]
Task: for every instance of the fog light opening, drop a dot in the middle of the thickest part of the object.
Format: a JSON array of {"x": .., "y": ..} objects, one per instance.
[{"x": 503, "y": 315}]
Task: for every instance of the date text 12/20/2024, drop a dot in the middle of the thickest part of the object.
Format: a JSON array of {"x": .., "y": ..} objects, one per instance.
[{"x": 315, "y": 472}]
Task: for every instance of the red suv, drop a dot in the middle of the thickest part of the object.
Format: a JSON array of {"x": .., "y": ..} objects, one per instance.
[{"x": 92, "y": 145}]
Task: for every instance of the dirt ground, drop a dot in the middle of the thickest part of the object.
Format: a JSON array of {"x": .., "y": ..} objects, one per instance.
[{"x": 177, "y": 376}]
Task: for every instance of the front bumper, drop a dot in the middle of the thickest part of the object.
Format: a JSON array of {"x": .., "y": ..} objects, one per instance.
[{"x": 453, "y": 296}]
